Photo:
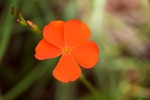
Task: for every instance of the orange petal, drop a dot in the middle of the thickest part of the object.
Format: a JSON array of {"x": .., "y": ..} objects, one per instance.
[
  {"x": 45, "y": 50},
  {"x": 86, "y": 54},
  {"x": 53, "y": 33},
  {"x": 67, "y": 69},
  {"x": 75, "y": 32}
]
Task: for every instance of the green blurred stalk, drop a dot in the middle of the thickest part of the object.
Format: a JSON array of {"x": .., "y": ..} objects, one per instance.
[
  {"x": 98, "y": 12},
  {"x": 97, "y": 16},
  {"x": 37, "y": 91},
  {"x": 97, "y": 21},
  {"x": 6, "y": 27},
  {"x": 37, "y": 73},
  {"x": 64, "y": 91},
  {"x": 91, "y": 88}
]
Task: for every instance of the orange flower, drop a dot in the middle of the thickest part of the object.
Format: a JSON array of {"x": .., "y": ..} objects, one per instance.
[{"x": 69, "y": 39}]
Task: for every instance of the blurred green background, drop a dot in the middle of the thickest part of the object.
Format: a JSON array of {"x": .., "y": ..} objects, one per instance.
[{"x": 121, "y": 28}]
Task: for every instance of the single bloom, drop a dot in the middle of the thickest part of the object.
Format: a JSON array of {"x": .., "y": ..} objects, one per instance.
[{"x": 71, "y": 40}]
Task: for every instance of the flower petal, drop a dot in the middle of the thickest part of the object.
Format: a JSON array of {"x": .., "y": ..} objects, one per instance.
[
  {"x": 67, "y": 69},
  {"x": 86, "y": 54},
  {"x": 75, "y": 32},
  {"x": 45, "y": 50},
  {"x": 53, "y": 33}
]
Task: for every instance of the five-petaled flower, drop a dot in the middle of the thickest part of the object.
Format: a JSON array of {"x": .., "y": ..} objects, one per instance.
[{"x": 71, "y": 40}]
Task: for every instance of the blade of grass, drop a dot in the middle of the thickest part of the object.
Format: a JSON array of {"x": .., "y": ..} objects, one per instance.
[
  {"x": 37, "y": 73},
  {"x": 97, "y": 16},
  {"x": 7, "y": 28},
  {"x": 96, "y": 26},
  {"x": 64, "y": 91}
]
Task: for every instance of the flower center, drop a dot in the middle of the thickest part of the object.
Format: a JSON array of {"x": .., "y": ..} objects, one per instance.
[{"x": 66, "y": 50}]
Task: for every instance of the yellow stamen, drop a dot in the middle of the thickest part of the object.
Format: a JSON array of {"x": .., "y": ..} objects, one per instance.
[{"x": 66, "y": 50}]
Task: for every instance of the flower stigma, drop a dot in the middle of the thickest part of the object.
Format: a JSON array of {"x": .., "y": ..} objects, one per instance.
[{"x": 66, "y": 50}]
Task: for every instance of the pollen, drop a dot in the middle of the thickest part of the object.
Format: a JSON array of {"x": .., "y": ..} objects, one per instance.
[{"x": 66, "y": 50}]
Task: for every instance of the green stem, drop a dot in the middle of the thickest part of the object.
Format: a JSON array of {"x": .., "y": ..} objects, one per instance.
[
  {"x": 91, "y": 88},
  {"x": 27, "y": 23}
]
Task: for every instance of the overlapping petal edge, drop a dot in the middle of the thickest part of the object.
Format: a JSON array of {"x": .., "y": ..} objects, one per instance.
[{"x": 73, "y": 35}]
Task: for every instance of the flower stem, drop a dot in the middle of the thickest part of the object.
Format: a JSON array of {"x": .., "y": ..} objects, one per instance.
[
  {"x": 27, "y": 23},
  {"x": 91, "y": 88}
]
